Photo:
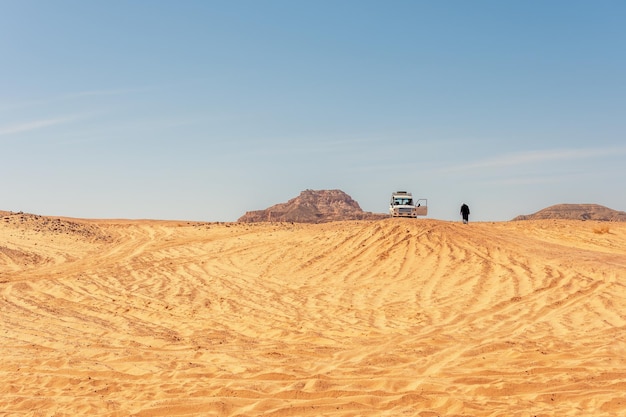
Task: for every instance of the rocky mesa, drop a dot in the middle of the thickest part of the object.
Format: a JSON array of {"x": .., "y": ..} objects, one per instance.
[
  {"x": 576, "y": 212},
  {"x": 313, "y": 206}
]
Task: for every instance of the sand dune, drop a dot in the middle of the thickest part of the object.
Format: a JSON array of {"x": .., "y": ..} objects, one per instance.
[{"x": 364, "y": 318}]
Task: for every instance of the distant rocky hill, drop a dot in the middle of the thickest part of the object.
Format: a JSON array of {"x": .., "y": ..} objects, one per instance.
[
  {"x": 313, "y": 206},
  {"x": 576, "y": 212},
  {"x": 52, "y": 225}
]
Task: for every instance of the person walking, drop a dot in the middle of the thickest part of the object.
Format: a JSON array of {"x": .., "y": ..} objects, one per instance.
[{"x": 465, "y": 211}]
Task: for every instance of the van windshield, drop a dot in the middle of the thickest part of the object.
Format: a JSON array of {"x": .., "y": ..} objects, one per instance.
[{"x": 397, "y": 201}]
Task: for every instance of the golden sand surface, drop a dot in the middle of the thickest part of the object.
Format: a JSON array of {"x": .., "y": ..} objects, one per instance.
[{"x": 395, "y": 317}]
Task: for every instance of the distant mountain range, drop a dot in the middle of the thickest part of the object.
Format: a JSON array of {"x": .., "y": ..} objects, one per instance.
[
  {"x": 313, "y": 206},
  {"x": 321, "y": 206},
  {"x": 576, "y": 212}
]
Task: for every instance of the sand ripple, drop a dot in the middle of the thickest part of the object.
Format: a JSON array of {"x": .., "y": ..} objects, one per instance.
[{"x": 392, "y": 317}]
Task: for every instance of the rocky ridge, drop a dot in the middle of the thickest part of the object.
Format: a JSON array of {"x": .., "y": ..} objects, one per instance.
[
  {"x": 313, "y": 206},
  {"x": 576, "y": 212},
  {"x": 59, "y": 226}
]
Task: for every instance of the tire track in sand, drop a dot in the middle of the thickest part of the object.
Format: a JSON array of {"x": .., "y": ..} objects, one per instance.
[{"x": 391, "y": 317}]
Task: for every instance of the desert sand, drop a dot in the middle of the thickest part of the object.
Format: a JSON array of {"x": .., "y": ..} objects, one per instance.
[{"x": 394, "y": 317}]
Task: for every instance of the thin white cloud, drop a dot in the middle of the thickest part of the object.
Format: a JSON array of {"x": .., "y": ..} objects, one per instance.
[
  {"x": 112, "y": 92},
  {"x": 33, "y": 125},
  {"x": 530, "y": 180},
  {"x": 531, "y": 157},
  {"x": 70, "y": 96}
]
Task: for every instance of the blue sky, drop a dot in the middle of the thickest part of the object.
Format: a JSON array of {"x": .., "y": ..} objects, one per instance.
[{"x": 203, "y": 110}]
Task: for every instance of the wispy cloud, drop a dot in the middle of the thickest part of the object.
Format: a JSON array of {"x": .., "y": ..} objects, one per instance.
[
  {"x": 71, "y": 96},
  {"x": 33, "y": 125},
  {"x": 531, "y": 157},
  {"x": 532, "y": 180},
  {"x": 101, "y": 93}
]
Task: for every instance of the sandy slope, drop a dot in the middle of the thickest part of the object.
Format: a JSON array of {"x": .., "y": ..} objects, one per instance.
[{"x": 365, "y": 318}]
